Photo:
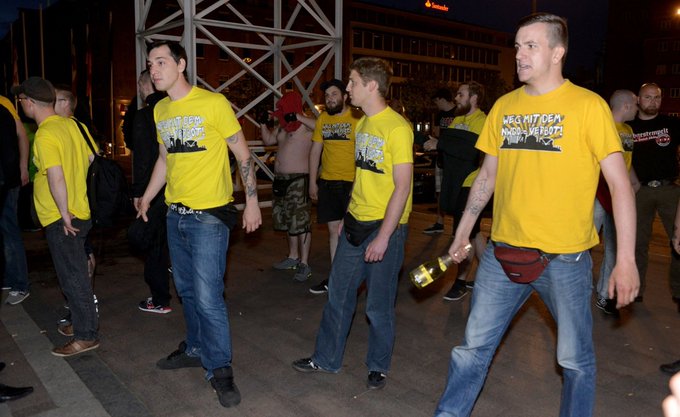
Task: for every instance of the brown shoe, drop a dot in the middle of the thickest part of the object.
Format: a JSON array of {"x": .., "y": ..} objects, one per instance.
[
  {"x": 65, "y": 329},
  {"x": 75, "y": 347}
]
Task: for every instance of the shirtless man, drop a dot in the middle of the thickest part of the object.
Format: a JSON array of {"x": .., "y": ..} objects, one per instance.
[{"x": 292, "y": 206}]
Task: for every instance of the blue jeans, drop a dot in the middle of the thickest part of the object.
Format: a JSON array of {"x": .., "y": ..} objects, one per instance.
[
  {"x": 16, "y": 271},
  {"x": 70, "y": 262},
  {"x": 564, "y": 287},
  {"x": 604, "y": 220},
  {"x": 348, "y": 271},
  {"x": 198, "y": 246}
]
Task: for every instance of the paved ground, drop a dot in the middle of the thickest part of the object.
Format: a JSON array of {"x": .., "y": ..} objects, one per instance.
[{"x": 274, "y": 321}]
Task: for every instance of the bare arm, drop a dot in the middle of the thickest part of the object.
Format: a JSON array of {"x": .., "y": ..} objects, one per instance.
[
  {"x": 23, "y": 152},
  {"x": 480, "y": 194},
  {"x": 624, "y": 282},
  {"x": 269, "y": 137},
  {"x": 252, "y": 217},
  {"x": 57, "y": 184},
  {"x": 156, "y": 182},
  {"x": 402, "y": 175},
  {"x": 676, "y": 230},
  {"x": 309, "y": 122},
  {"x": 314, "y": 158}
]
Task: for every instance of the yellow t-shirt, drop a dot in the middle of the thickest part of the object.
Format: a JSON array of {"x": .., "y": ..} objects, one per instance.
[
  {"x": 337, "y": 133},
  {"x": 4, "y": 101},
  {"x": 626, "y": 135},
  {"x": 471, "y": 123},
  {"x": 548, "y": 149},
  {"x": 194, "y": 130},
  {"x": 382, "y": 141},
  {"x": 58, "y": 142}
]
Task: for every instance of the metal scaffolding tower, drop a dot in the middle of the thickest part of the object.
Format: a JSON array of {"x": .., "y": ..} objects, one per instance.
[{"x": 225, "y": 23}]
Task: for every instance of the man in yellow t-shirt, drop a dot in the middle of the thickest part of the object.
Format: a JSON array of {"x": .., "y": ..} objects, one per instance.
[
  {"x": 623, "y": 104},
  {"x": 332, "y": 147},
  {"x": 195, "y": 130},
  {"x": 372, "y": 247},
  {"x": 14, "y": 155},
  {"x": 60, "y": 193},
  {"x": 545, "y": 144}
]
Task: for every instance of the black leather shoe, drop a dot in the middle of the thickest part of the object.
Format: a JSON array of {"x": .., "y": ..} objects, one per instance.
[
  {"x": 671, "y": 368},
  {"x": 8, "y": 393}
]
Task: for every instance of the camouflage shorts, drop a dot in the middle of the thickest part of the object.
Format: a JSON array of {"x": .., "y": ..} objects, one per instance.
[{"x": 292, "y": 212}]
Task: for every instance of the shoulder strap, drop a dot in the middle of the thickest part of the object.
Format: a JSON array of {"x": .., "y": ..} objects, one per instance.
[{"x": 82, "y": 132}]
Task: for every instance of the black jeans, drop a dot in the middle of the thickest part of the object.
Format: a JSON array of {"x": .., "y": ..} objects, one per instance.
[{"x": 70, "y": 262}]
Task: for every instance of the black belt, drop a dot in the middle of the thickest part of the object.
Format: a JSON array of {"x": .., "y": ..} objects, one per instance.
[
  {"x": 657, "y": 183},
  {"x": 183, "y": 210}
]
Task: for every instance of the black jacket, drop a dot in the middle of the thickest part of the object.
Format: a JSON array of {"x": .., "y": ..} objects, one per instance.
[{"x": 145, "y": 145}]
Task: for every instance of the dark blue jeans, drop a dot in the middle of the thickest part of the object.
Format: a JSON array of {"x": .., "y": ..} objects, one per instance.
[
  {"x": 15, "y": 271},
  {"x": 198, "y": 249},
  {"x": 70, "y": 262},
  {"x": 347, "y": 273}
]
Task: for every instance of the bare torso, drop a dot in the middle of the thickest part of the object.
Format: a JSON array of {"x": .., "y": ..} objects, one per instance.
[{"x": 293, "y": 154}]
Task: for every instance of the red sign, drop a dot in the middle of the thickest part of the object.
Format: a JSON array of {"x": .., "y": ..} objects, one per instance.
[{"x": 432, "y": 5}]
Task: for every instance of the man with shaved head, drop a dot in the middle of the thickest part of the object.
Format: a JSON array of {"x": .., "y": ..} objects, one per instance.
[{"x": 656, "y": 138}]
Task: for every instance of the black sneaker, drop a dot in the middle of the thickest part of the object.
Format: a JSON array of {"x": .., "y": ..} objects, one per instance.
[
  {"x": 223, "y": 384},
  {"x": 179, "y": 359},
  {"x": 607, "y": 305},
  {"x": 376, "y": 380},
  {"x": 470, "y": 284},
  {"x": 456, "y": 292},
  {"x": 434, "y": 229},
  {"x": 670, "y": 368},
  {"x": 308, "y": 365},
  {"x": 320, "y": 288}
]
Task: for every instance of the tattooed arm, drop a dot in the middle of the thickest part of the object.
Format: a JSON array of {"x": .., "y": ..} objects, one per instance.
[
  {"x": 480, "y": 194},
  {"x": 252, "y": 218}
]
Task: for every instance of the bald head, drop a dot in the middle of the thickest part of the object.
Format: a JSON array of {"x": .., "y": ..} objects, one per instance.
[{"x": 624, "y": 105}]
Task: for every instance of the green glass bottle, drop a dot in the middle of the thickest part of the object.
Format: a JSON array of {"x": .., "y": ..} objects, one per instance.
[{"x": 426, "y": 273}]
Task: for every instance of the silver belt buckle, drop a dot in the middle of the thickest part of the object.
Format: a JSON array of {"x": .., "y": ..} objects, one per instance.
[{"x": 654, "y": 184}]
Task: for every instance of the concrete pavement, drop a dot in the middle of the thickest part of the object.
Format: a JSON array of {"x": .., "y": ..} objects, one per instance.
[{"x": 274, "y": 321}]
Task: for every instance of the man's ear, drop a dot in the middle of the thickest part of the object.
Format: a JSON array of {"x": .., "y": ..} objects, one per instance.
[
  {"x": 182, "y": 65},
  {"x": 558, "y": 54}
]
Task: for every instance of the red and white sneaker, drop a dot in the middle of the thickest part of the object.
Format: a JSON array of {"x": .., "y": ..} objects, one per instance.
[{"x": 148, "y": 306}]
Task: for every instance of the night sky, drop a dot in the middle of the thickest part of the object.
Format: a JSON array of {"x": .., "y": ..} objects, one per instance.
[{"x": 587, "y": 20}]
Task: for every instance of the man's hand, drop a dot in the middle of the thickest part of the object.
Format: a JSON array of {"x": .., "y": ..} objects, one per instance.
[
  {"x": 376, "y": 249},
  {"x": 68, "y": 227},
  {"x": 252, "y": 217},
  {"x": 431, "y": 144},
  {"x": 142, "y": 206},
  {"x": 24, "y": 176},
  {"x": 624, "y": 283},
  {"x": 313, "y": 190},
  {"x": 460, "y": 249}
]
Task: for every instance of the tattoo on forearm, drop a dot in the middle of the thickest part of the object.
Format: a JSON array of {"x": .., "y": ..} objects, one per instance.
[
  {"x": 248, "y": 177},
  {"x": 232, "y": 139},
  {"x": 479, "y": 198}
]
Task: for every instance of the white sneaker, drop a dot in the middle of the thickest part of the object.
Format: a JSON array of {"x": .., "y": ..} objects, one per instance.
[{"x": 16, "y": 297}]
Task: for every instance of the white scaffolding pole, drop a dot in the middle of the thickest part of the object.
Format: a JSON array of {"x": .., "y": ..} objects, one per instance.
[{"x": 198, "y": 22}]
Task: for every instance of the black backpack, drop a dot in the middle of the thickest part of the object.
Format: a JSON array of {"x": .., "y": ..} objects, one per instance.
[{"x": 107, "y": 188}]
